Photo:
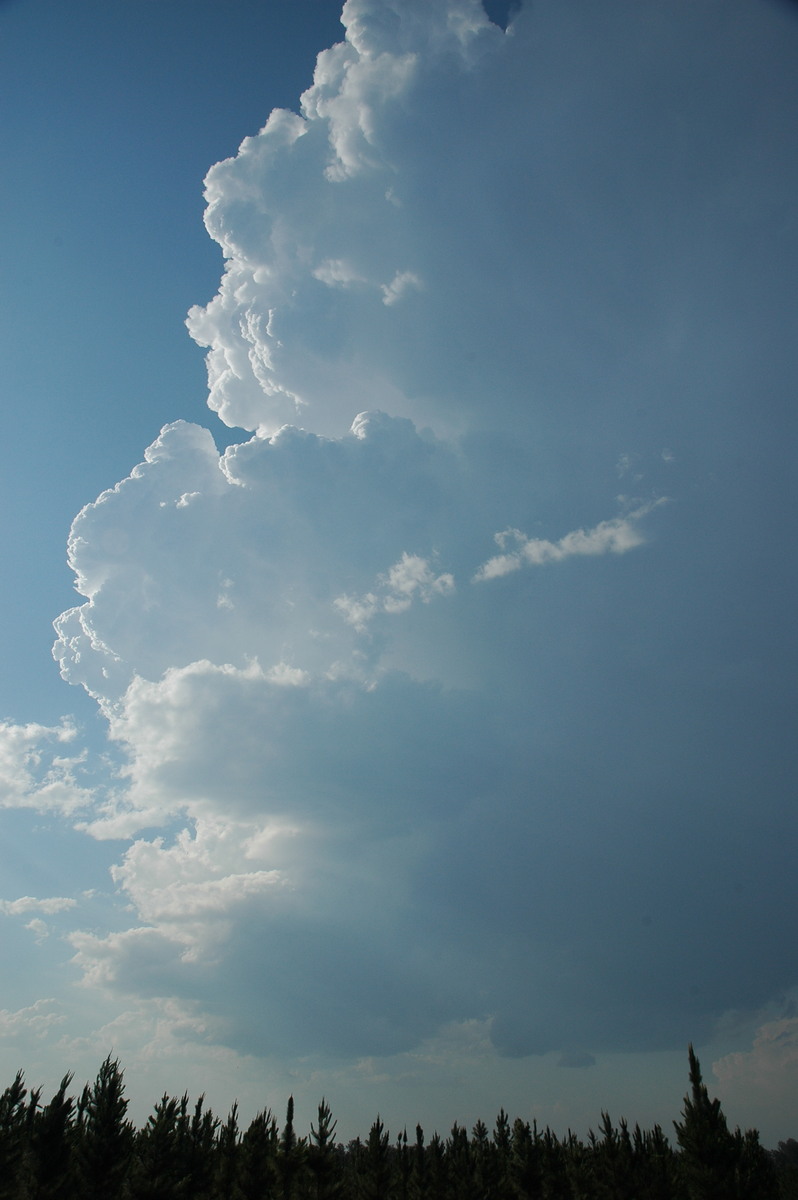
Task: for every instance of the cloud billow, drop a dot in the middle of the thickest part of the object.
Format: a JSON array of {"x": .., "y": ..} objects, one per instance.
[{"x": 531, "y": 788}]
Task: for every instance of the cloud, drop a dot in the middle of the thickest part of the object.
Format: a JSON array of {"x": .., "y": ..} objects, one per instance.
[
  {"x": 762, "y": 1083},
  {"x": 609, "y": 537},
  {"x": 410, "y": 578},
  {"x": 768, "y": 1064},
  {"x": 37, "y": 1020},
  {"x": 26, "y": 904},
  {"x": 33, "y": 772},
  {"x": 365, "y": 801},
  {"x": 402, "y": 283},
  {"x": 339, "y": 158}
]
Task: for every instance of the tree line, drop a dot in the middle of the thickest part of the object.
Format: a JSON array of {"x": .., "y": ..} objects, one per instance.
[{"x": 86, "y": 1147}]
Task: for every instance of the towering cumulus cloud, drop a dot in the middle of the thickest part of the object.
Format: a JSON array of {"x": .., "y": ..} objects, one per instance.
[{"x": 457, "y": 690}]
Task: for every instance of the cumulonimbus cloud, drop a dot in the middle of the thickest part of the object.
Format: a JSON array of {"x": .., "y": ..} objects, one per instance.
[{"x": 459, "y": 285}]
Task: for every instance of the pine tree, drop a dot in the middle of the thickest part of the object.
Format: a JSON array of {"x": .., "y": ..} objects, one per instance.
[
  {"x": 417, "y": 1187},
  {"x": 51, "y": 1147},
  {"x": 553, "y": 1167},
  {"x": 403, "y": 1166},
  {"x": 13, "y": 1123},
  {"x": 375, "y": 1174},
  {"x": 755, "y": 1177},
  {"x": 106, "y": 1137},
  {"x": 258, "y": 1158},
  {"x": 612, "y": 1167},
  {"x": 435, "y": 1169},
  {"x": 160, "y": 1170},
  {"x": 502, "y": 1155},
  {"x": 526, "y": 1161},
  {"x": 707, "y": 1148},
  {"x": 460, "y": 1169},
  {"x": 785, "y": 1164},
  {"x": 481, "y": 1158},
  {"x": 291, "y": 1154},
  {"x": 199, "y": 1139},
  {"x": 656, "y": 1165},
  {"x": 227, "y": 1155},
  {"x": 323, "y": 1160}
]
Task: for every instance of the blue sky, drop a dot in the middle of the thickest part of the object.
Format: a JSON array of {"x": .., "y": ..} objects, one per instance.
[{"x": 431, "y": 743}]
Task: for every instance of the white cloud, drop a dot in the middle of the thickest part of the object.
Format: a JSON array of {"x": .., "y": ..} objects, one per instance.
[
  {"x": 769, "y": 1063},
  {"x": 616, "y": 536},
  {"x": 264, "y": 368},
  {"x": 337, "y": 273},
  {"x": 402, "y": 283},
  {"x": 407, "y": 580},
  {"x": 760, "y": 1085},
  {"x": 389, "y": 805},
  {"x": 181, "y": 886},
  {"x": 276, "y": 550},
  {"x": 35, "y": 774},
  {"x": 39, "y": 929},
  {"x": 26, "y": 904},
  {"x": 37, "y": 1019}
]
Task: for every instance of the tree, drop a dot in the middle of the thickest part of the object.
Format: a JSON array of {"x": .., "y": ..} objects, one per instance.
[
  {"x": 656, "y": 1164},
  {"x": 106, "y": 1137},
  {"x": 612, "y": 1165},
  {"x": 435, "y": 1179},
  {"x": 526, "y": 1160},
  {"x": 13, "y": 1121},
  {"x": 707, "y": 1148},
  {"x": 52, "y": 1146},
  {"x": 161, "y": 1170},
  {"x": 199, "y": 1136},
  {"x": 375, "y": 1174},
  {"x": 417, "y": 1184},
  {"x": 323, "y": 1160},
  {"x": 227, "y": 1155},
  {"x": 755, "y": 1177},
  {"x": 258, "y": 1158},
  {"x": 290, "y": 1155},
  {"x": 502, "y": 1157},
  {"x": 462, "y": 1184}
]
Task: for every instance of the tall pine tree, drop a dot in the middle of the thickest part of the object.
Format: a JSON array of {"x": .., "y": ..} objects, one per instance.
[
  {"x": 106, "y": 1136},
  {"x": 708, "y": 1154}
]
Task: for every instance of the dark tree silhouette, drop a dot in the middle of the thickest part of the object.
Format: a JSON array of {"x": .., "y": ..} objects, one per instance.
[
  {"x": 89, "y": 1150},
  {"x": 324, "y": 1161},
  {"x": 374, "y": 1177},
  {"x": 161, "y": 1167},
  {"x": 51, "y": 1156},
  {"x": 716, "y": 1164},
  {"x": 13, "y": 1125},
  {"x": 227, "y": 1157},
  {"x": 258, "y": 1158},
  {"x": 106, "y": 1137},
  {"x": 290, "y": 1158}
]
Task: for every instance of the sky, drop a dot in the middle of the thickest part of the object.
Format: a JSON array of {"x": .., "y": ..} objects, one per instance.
[{"x": 421, "y": 730}]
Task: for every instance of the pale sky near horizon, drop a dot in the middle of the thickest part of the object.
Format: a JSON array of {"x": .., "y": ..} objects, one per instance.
[{"x": 431, "y": 743}]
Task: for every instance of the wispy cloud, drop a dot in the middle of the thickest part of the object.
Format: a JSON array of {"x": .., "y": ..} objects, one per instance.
[
  {"x": 616, "y": 536},
  {"x": 27, "y": 904},
  {"x": 410, "y": 579},
  {"x": 402, "y": 283},
  {"x": 36, "y": 1020}
]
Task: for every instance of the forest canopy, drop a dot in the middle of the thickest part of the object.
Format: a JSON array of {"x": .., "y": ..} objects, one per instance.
[{"x": 85, "y": 1146}]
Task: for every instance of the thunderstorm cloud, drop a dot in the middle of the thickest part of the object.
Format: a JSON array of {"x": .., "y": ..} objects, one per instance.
[{"x": 404, "y": 696}]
